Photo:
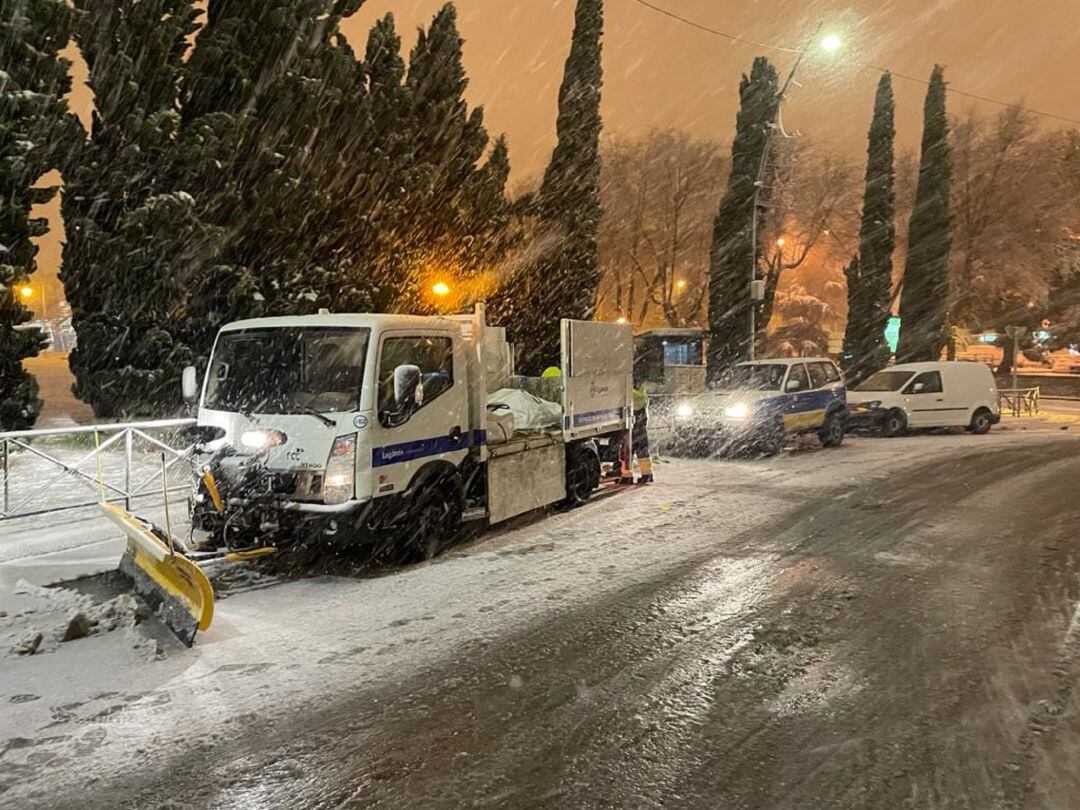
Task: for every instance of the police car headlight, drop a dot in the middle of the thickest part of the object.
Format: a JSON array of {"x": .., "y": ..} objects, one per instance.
[
  {"x": 684, "y": 411},
  {"x": 738, "y": 411}
]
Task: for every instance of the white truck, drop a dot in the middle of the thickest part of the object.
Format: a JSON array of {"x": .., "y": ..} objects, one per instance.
[{"x": 368, "y": 427}]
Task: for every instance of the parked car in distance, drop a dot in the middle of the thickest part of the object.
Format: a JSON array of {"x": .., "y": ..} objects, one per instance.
[
  {"x": 756, "y": 406},
  {"x": 925, "y": 395}
]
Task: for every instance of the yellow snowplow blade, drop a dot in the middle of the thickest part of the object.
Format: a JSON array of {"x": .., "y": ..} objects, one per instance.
[{"x": 174, "y": 585}]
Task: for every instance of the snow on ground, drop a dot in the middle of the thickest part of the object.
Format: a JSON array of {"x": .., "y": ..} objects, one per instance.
[{"x": 103, "y": 704}]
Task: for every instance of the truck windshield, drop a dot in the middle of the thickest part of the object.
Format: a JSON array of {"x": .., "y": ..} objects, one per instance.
[
  {"x": 885, "y": 381},
  {"x": 761, "y": 377},
  {"x": 287, "y": 370}
]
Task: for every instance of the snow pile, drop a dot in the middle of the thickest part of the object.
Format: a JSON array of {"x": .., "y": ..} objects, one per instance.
[{"x": 60, "y": 615}]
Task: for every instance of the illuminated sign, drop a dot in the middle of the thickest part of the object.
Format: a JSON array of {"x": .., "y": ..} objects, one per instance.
[{"x": 892, "y": 333}]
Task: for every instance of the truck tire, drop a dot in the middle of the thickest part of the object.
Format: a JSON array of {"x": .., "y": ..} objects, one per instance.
[
  {"x": 895, "y": 423},
  {"x": 580, "y": 474},
  {"x": 438, "y": 521},
  {"x": 832, "y": 432},
  {"x": 981, "y": 421}
]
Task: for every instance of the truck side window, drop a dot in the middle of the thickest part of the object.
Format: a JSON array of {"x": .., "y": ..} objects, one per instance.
[
  {"x": 832, "y": 373},
  {"x": 433, "y": 355},
  {"x": 931, "y": 382}
]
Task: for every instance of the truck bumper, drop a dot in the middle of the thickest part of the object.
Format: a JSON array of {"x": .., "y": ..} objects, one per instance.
[{"x": 315, "y": 509}]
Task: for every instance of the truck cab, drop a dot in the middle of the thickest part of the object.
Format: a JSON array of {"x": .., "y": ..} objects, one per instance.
[{"x": 359, "y": 425}]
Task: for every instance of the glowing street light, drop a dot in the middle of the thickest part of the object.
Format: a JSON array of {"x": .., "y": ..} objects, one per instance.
[
  {"x": 441, "y": 289},
  {"x": 831, "y": 43},
  {"x": 781, "y": 242},
  {"x": 620, "y": 319},
  {"x": 680, "y": 284},
  {"x": 26, "y": 292}
]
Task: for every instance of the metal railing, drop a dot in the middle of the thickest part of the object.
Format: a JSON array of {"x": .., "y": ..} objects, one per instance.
[
  {"x": 1019, "y": 401},
  {"x": 80, "y": 459}
]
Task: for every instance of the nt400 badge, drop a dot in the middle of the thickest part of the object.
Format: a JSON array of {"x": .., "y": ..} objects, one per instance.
[{"x": 360, "y": 421}]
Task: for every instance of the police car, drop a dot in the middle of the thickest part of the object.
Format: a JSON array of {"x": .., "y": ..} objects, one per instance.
[{"x": 756, "y": 406}]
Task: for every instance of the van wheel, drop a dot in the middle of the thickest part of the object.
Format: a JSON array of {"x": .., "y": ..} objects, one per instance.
[
  {"x": 832, "y": 432},
  {"x": 980, "y": 422},
  {"x": 438, "y": 520},
  {"x": 580, "y": 474},
  {"x": 895, "y": 423}
]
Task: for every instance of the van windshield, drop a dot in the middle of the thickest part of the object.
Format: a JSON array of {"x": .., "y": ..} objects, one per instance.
[
  {"x": 287, "y": 370},
  {"x": 886, "y": 381}
]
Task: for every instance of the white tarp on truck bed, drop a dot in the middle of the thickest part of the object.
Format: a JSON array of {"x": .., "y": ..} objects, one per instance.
[{"x": 530, "y": 412}]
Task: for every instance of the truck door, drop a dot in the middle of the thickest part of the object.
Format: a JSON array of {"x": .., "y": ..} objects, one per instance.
[
  {"x": 925, "y": 400},
  {"x": 432, "y": 427}
]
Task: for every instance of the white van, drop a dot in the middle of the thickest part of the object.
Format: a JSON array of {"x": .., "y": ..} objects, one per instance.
[{"x": 925, "y": 395}]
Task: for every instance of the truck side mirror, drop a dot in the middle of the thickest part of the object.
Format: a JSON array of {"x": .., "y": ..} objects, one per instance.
[
  {"x": 189, "y": 385},
  {"x": 408, "y": 393}
]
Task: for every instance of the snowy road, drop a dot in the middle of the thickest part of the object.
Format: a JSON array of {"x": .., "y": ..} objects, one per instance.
[{"x": 889, "y": 624}]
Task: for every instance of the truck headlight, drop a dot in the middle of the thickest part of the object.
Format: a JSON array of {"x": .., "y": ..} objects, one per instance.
[
  {"x": 260, "y": 439},
  {"x": 737, "y": 411},
  {"x": 340, "y": 481},
  {"x": 684, "y": 411}
]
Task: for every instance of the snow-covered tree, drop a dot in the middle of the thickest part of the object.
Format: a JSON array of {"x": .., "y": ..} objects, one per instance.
[
  {"x": 800, "y": 317},
  {"x": 563, "y": 282},
  {"x": 296, "y": 176},
  {"x": 35, "y": 128},
  {"x": 120, "y": 262}
]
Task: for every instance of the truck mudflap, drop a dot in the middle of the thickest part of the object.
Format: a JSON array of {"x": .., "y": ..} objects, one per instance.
[{"x": 598, "y": 367}]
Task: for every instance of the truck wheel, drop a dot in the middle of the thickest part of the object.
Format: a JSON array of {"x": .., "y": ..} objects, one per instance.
[
  {"x": 579, "y": 475},
  {"x": 832, "y": 432},
  {"x": 438, "y": 520},
  {"x": 895, "y": 423},
  {"x": 980, "y": 422}
]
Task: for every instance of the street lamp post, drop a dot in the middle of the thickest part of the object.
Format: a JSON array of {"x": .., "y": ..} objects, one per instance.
[{"x": 829, "y": 44}]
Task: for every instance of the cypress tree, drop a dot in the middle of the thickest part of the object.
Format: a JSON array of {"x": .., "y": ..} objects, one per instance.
[
  {"x": 732, "y": 254},
  {"x": 375, "y": 207},
  {"x": 130, "y": 233},
  {"x": 869, "y": 276},
  {"x": 563, "y": 283},
  {"x": 35, "y": 128},
  {"x": 924, "y": 304},
  {"x": 447, "y": 142}
]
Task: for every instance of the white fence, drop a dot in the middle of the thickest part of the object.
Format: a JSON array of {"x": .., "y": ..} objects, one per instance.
[{"x": 60, "y": 469}]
